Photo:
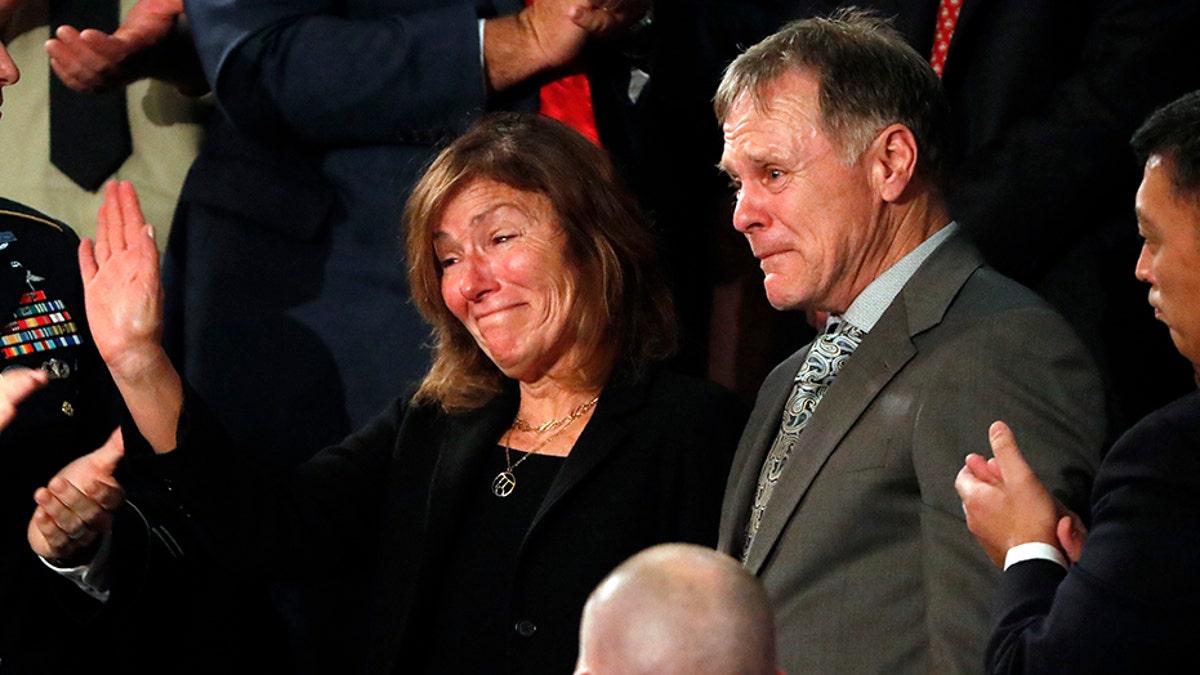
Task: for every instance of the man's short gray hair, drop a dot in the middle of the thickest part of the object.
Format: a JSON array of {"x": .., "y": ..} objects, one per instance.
[{"x": 868, "y": 77}]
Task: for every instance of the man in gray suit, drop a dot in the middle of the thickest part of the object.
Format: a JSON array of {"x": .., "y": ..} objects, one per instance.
[{"x": 841, "y": 498}]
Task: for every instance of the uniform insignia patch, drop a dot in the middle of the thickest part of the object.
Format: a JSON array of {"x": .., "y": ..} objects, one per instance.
[
  {"x": 58, "y": 370},
  {"x": 38, "y": 324}
]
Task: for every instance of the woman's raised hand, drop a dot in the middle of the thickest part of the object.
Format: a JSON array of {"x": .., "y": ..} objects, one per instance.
[
  {"x": 124, "y": 298},
  {"x": 121, "y": 283}
]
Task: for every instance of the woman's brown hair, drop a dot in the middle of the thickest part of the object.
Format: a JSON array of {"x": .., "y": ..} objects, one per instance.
[{"x": 623, "y": 310}]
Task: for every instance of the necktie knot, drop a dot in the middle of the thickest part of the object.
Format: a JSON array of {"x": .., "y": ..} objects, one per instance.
[{"x": 829, "y": 352}]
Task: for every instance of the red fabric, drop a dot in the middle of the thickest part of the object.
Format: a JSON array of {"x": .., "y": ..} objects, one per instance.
[
  {"x": 947, "y": 19},
  {"x": 569, "y": 100}
]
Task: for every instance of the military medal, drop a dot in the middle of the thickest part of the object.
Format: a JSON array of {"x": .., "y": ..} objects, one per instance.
[
  {"x": 38, "y": 324},
  {"x": 57, "y": 370}
]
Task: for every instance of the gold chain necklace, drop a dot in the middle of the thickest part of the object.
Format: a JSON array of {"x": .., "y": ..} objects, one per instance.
[
  {"x": 521, "y": 425},
  {"x": 506, "y": 481}
]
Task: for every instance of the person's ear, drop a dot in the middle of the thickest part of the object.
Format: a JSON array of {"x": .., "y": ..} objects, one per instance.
[{"x": 892, "y": 161}]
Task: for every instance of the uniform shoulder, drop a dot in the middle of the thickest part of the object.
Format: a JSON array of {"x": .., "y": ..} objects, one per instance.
[{"x": 16, "y": 216}]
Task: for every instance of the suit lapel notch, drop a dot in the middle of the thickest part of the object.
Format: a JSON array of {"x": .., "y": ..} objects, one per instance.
[
  {"x": 756, "y": 440},
  {"x": 929, "y": 293}
]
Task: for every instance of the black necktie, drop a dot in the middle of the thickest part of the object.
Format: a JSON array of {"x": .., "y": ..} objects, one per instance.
[{"x": 89, "y": 133}]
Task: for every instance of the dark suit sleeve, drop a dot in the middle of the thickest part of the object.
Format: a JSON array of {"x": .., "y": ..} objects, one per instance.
[
  {"x": 1029, "y": 192},
  {"x": 1025, "y": 367},
  {"x": 305, "y": 69},
  {"x": 1133, "y": 599},
  {"x": 311, "y": 517}
]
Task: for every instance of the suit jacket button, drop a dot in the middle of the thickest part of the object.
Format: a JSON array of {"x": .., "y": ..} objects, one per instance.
[
  {"x": 526, "y": 628},
  {"x": 68, "y": 409}
]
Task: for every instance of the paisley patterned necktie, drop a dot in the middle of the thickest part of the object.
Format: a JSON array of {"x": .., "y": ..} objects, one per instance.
[{"x": 825, "y": 359}]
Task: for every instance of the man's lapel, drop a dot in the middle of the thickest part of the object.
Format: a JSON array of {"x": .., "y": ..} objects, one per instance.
[
  {"x": 752, "y": 450},
  {"x": 884, "y": 352}
]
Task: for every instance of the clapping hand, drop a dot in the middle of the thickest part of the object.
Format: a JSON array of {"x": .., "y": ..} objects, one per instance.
[
  {"x": 15, "y": 386},
  {"x": 92, "y": 60},
  {"x": 75, "y": 507},
  {"x": 1006, "y": 505}
]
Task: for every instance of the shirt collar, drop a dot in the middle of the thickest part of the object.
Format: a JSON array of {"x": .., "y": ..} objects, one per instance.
[{"x": 878, "y": 296}]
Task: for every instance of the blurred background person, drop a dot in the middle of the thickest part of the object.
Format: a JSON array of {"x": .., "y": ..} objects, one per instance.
[
  {"x": 677, "y": 609},
  {"x": 116, "y": 96}
]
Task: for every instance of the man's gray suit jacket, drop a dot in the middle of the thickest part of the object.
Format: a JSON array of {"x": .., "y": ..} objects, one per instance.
[{"x": 863, "y": 548}]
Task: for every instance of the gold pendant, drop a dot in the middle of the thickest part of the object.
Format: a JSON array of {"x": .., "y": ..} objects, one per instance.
[{"x": 504, "y": 483}]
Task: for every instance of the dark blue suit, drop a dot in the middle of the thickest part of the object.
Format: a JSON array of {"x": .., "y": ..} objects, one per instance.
[
  {"x": 1132, "y": 602},
  {"x": 286, "y": 280}
]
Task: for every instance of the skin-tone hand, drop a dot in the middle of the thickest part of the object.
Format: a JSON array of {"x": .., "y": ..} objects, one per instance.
[
  {"x": 1004, "y": 501},
  {"x": 75, "y": 508},
  {"x": 123, "y": 297},
  {"x": 92, "y": 60},
  {"x": 1072, "y": 534},
  {"x": 15, "y": 386},
  {"x": 550, "y": 35},
  {"x": 121, "y": 281},
  {"x": 601, "y": 17}
]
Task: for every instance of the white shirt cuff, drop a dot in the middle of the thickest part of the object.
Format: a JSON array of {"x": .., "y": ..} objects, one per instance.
[
  {"x": 91, "y": 577},
  {"x": 1035, "y": 550}
]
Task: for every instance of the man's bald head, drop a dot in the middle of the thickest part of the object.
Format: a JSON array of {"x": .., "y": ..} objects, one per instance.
[{"x": 678, "y": 608}]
